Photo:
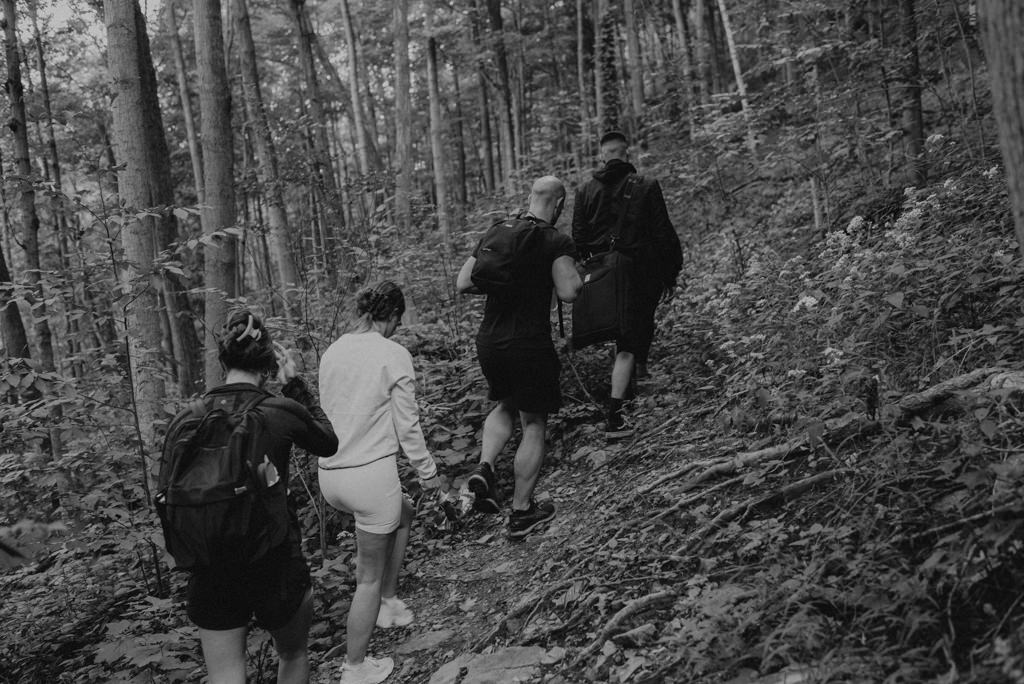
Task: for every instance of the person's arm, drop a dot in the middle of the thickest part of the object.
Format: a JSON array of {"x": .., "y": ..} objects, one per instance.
[
  {"x": 566, "y": 278},
  {"x": 464, "y": 281},
  {"x": 405, "y": 416},
  {"x": 315, "y": 433}
]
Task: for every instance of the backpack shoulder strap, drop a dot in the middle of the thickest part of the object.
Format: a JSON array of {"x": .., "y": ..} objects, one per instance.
[{"x": 627, "y": 197}]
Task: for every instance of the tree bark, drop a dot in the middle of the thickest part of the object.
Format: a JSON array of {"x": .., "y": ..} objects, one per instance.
[
  {"x": 506, "y": 136},
  {"x": 220, "y": 265},
  {"x": 633, "y": 65},
  {"x": 362, "y": 142},
  {"x": 586, "y": 138},
  {"x": 436, "y": 132},
  {"x": 1002, "y": 23},
  {"x": 14, "y": 335},
  {"x": 321, "y": 148},
  {"x": 403, "y": 118},
  {"x": 185, "y": 97},
  {"x": 284, "y": 263},
  {"x": 685, "y": 60},
  {"x": 913, "y": 117},
  {"x": 137, "y": 184},
  {"x": 741, "y": 85},
  {"x": 700, "y": 49}
]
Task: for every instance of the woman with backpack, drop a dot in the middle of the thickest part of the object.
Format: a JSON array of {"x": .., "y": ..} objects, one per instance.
[
  {"x": 368, "y": 386},
  {"x": 224, "y": 593}
]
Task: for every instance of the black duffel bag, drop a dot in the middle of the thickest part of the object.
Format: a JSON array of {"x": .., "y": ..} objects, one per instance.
[{"x": 601, "y": 310}]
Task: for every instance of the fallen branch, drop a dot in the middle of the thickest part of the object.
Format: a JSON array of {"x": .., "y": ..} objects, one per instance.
[
  {"x": 1009, "y": 511},
  {"x": 637, "y": 605},
  {"x": 912, "y": 404},
  {"x": 527, "y": 603},
  {"x": 687, "y": 500},
  {"x": 786, "y": 493}
]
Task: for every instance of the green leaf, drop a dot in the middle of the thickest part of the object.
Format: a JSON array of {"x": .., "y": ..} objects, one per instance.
[{"x": 896, "y": 299}]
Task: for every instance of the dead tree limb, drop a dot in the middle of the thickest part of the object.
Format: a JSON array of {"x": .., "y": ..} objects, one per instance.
[{"x": 912, "y": 404}]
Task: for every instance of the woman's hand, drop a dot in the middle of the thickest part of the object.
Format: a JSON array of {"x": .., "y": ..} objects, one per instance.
[
  {"x": 286, "y": 366},
  {"x": 432, "y": 483}
]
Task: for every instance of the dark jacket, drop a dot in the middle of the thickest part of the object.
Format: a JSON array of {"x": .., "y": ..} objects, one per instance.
[{"x": 648, "y": 234}]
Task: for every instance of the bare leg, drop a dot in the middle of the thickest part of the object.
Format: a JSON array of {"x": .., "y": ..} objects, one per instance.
[
  {"x": 497, "y": 432},
  {"x": 529, "y": 458},
  {"x": 290, "y": 642},
  {"x": 224, "y": 653},
  {"x": 372, "y": 551},
  {"x": 389, "y": 587},
  {"x": 622, "y": 371}
]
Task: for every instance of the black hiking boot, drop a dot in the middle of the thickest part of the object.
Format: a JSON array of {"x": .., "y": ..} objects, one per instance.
[
  {"x": 617, "y": 427},
  {"x": 522, "y": 523},
  {"x": 481, "y": 483}
]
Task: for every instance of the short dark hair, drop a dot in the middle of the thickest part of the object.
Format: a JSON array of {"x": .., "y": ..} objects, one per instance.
[
  {"x": 614, "y": 135},
  {"x": 381, "y": 302},
  {"x": 244, "y": 343}
]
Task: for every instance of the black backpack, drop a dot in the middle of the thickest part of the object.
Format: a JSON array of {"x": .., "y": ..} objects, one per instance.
[
  {"x": 505, "y": 250},
  {"x": 219, "y": 496}
]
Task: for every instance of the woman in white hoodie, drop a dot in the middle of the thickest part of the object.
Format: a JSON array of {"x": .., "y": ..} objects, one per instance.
[{"x": 367, "y": 389}]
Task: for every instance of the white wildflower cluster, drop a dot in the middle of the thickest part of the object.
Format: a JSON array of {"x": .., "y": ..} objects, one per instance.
[
  {"x": 856, "y": 224},
  {"x": 796, "y": 373},
  {"x": 748, "y": 339},
  {"x": 991, "y": 173},
  {"x": 833, "y": 356},
  {"x": 911, "y": 220},
  {"x": 903, "y": 239},
  {"x": 805, "y": 302}
]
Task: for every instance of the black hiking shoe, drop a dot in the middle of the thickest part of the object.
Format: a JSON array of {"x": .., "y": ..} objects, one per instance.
[
  {"x": 522, "y": 523},
  {"x": 616, "y": 427},
  {"x": 481, "y": 483}
]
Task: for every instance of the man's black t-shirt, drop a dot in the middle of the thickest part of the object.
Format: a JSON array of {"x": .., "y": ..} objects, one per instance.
[{"x": 525, "y": 321}]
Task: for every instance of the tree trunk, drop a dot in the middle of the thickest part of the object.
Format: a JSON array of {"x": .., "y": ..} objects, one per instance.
[
  {"x": 700, "y": 40},
  {"x": 132, "y": 132},
  {"x": 506, "y": 136},
  {"x": 741, "y": 85},
  {"x": 684, "y": 59},
  {"x": 321, "y": 148},
  {"x": 586, "y": 141},
  {"x": 185, "y": 97},
  {"x": 362, "y": 143},
  {"x": 607, "y": 62},
  {"x": 1002, "y": 24},
  {"x": 14, "y": 335},
  {"x": 403, "y": 119},
  {"x": 220, "y": 258},
  {"x": 462, "y": 191},
  {"x": 633, "y": 65},
  {"x": 913, "y": 117},
  {"x": 436, "y": 132},
  {"x": 486, "y": 138},
  {"x": 18, "y": 125},
  {"x": 599, "y": 84},
  {"x": 267, "y": 168}
]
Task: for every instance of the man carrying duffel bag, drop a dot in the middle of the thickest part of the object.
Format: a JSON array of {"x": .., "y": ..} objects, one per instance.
[{"x": 622, "y": 231}]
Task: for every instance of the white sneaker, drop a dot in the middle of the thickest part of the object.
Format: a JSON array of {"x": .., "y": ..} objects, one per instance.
[
  {"x": 370, "y": 671},
  {"x": 393, "y": 613}
]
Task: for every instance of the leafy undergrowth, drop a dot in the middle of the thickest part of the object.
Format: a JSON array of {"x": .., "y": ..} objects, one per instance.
[{"x": 825, "y": 483}]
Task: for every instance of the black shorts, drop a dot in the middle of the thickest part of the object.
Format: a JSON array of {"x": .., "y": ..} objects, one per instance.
[
  {"x": 525, "y": 378},
  {"x": 272, "y": 589},
  {"x": 641, "y": 328}
]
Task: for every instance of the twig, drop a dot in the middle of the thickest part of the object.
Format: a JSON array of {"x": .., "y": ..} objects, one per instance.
[
  {"x": 686, "y": 501},
  {"x": 579, "y": 380},
  {"x": 525, "y": 604},
  {"x": 914, "y": 403},
  {"x": 637, "y": 605},
  {"x": 1008, "y": 511}
]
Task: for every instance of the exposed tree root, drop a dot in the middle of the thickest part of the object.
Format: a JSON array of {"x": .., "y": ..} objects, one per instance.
[
  {"x": 637, "y": 605},
  {"x": 786, "y": 493}
]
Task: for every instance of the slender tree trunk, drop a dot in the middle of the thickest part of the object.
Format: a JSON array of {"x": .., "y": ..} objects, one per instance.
[
  {"x": 599, "y": 77},
  {"x": 607, "y": 68},
  {"x": 220, "y": 257},
  {"x": 462, "y": 191},
  {"x": 685, "y": 60},
  {"x": 14, "y": 335},
  {"x": 18, "y": 125},
  {"x": 403, "y": 118},
  {"x": 185, "y": 97},
  {"x": 267, "y": 167},
  {"x": 132, "y": 135},
  {"x": 633, "y": 65},
  {"x": 913, "y": 117},
  {"x": 1002, "y": 24},
  {"x": 741, "y": 85},
  {"x": 436, "y": 132},
  {"x": 362, "y": 143},
  {"x": 586, "y": 142},
  {"x": 486, "y": 138},
  {"x": 700, "y": 40},
  {"x": 506, "y": 135},
  {"x": 322, "y": 157}
]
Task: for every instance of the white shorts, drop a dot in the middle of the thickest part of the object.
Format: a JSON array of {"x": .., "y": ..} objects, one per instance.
[{"x": 372, "y": 493}]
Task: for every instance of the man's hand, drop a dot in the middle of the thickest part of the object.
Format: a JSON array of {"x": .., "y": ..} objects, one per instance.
[{"x": 431, "y": 483}]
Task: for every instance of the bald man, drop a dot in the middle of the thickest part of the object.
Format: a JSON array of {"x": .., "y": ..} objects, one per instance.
[{"x": 518, "y": 359}]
